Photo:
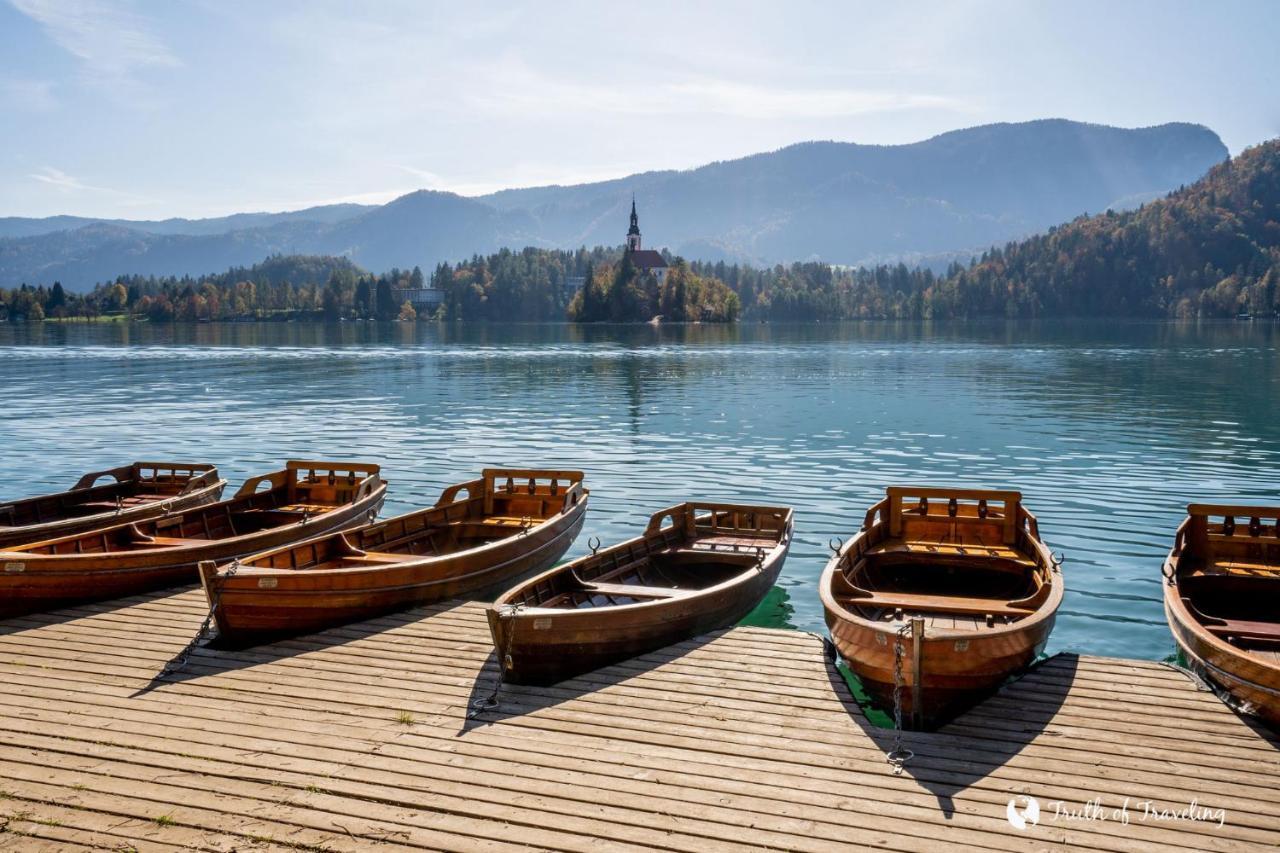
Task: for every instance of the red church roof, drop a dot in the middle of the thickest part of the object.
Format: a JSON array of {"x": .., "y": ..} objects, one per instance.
[{"x": 648, "y": 259}]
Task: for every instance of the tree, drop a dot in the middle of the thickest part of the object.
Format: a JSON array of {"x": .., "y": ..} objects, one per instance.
[
  {"x": 384, "y": 301},
  {"x": 407, "y": 312}
]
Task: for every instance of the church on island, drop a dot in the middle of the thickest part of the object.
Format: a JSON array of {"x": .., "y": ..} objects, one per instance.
[{"x": 645, "y": 260}]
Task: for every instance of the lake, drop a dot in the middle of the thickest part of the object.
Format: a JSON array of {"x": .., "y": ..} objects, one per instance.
[{"x": 1108, "y": 428}]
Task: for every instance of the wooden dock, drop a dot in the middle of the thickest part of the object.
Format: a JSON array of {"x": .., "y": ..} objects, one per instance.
[{"x": 358, "y": 739}]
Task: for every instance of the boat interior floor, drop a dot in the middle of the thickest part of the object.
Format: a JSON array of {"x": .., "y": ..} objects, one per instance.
[{"x": 667, "y": 574}]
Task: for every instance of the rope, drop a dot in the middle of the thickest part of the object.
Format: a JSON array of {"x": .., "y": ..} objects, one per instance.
[
  {"x": 492, "y": 702},
  {"x": 179, "y": 662}
]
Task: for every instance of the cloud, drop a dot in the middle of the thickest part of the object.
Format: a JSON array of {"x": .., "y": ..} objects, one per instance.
[
  {"x": 431, "y": 179},
  {"x": 746, "y": 101},
  {"x": 514, "y": 87},
  {"x": 106, "y": 35},
  {"x": 60, "y": 179},
  {"x": 32, "y": 95},
  {"x": 71, "y": 185}
]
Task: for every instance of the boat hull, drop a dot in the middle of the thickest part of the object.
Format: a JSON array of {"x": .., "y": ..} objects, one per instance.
[
  {"x": 955, "y": 672},
  {"x": 31, "y": 583},
  {"x": 298, "y": 604},
  {"x": 543, "y": 646},
  {"x": 971, "y": 583},
  {"x": 201, "y": 487},
  {"x": 1252, "y": 683}
]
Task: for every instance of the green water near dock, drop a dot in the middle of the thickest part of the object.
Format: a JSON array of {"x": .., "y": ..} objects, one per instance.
[{"x": 1109, "y": 429}]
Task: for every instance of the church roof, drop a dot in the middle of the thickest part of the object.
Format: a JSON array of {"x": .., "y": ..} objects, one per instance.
[{"x": 648, "y": 259}]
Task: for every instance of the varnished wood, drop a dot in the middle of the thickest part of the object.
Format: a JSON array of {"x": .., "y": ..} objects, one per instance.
[
  {"x": 303, "y": 500},
  {"x": 358, "y": 739},
  {"x": 478, "y": 537},
  {"x": 1222, "y": 600},
  {"x": 971, "y": 565},
  {"x": 696, "y": 567},
  {"x": 135, "y": 492}
]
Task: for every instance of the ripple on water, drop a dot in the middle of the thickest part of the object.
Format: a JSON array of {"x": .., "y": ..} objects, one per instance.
[{"x": 1108, "y": 439}]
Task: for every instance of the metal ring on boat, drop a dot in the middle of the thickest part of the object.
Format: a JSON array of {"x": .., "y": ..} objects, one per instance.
[
  {"x": 594, "y": 544},
  {"x": 835, "y": 543}
]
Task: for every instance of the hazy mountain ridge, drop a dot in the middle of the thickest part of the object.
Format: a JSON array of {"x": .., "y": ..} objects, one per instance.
[{"x": 843, "y": 203}]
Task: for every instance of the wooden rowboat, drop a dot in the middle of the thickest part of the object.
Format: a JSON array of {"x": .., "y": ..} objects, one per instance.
[
  {"x": 479, "y": 537},
  {"x": 943, "y": 594},
  {"x": 1222, "y": 600},
  {"x": 135, "y": 492},
  {"x": 706, "y": 569},
  {"x": 303, "y": 500}
]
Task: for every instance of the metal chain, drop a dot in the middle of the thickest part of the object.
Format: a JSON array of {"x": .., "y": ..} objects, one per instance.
[
  {"x": 179, "y": 662},
  {"x": 490, "y": 702},
  {"x": 898, "y": 756}
]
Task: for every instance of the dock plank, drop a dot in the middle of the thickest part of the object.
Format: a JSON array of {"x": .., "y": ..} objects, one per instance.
[{"x": 359, "y": 738}]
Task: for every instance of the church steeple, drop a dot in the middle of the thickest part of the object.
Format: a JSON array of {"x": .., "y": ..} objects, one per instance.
[{"x": 633, "y": 233}]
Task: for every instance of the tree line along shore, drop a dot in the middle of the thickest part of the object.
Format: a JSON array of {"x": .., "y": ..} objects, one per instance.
[{"x": 1210, "y": 249}]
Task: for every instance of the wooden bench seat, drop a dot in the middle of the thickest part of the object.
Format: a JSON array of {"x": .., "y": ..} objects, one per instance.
[
  {"x": 929, "y": 548},
  {"x": 1244, "y": 629},
  {"x": 937, "y": 604},
  {"x": 633, "y": 590},
  {"x": 1236, "y": 568},
  {"x": 505, "y": 521},
  {"x": 380, "y": 557},
  {"x": 299, "y": 508},
  {"x": 167, "y": 541}
]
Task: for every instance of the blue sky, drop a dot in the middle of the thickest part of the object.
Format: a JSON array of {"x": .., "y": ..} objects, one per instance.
[{"x": 207, "y": 107}]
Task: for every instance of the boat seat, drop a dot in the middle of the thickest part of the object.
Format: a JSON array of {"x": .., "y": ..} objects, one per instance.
[
  {"x": 166, "y": 541},
  {"x": 1236, "y": 568},
  {"x": 1243, "y": 629},
  {"x": 508, "y": 521},
  {"x": 740, "y": 541},
  {"x": 313, "y": 509},
  {"x": 932, "y": 548},
  {"x": 380, "y": 557},
  {"x": 631, "y": 590},
  {"x": 938, "y": 604}
]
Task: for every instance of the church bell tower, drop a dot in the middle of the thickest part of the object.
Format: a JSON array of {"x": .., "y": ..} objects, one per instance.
[{"x": 633, "y": 233}]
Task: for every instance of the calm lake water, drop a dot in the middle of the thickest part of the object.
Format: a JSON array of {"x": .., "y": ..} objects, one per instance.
[{"x": 1109, "y": 429}]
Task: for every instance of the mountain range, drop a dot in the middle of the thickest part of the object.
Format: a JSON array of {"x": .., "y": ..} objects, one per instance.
[{"x": 843, "y": 203}]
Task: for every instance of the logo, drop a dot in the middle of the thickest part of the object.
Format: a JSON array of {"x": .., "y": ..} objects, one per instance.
[{"x": 1023, "y": 810}]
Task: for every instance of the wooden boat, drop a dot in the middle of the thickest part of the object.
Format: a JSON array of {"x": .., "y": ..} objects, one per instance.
[
  {"x": 479, "y": 536},
  {"x": 1222, "y": 600},
  {"x": 303, "y": 500},
  {"x": 135, "y": 492},
  {"x": 943, "y": 593},
  {"x": 706, "y": 569}
]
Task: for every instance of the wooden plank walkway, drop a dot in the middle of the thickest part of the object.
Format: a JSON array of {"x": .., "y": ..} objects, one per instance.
[{"x": 358, "y": 739}]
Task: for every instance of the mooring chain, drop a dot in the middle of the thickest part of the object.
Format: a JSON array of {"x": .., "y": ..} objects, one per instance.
[
  {"x": 490, "y": 702},
  {"x": 898, "y": 756},
  {"x": 215, "y": 596}
]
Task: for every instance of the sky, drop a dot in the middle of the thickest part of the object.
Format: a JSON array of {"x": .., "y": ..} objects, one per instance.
[{"x": 143, "y": 110}]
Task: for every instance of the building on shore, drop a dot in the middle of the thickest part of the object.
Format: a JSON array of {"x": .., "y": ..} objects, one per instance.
[{"x": 421, "y": 298}]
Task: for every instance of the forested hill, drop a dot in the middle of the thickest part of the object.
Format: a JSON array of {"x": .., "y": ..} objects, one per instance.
[{"x": 1209, "y": 249}]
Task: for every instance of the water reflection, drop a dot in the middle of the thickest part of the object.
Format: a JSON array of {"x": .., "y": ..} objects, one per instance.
[{"x": 1108, "y": 428}]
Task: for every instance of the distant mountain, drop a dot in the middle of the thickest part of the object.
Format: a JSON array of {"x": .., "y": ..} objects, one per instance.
[
  {"x": 839, "y": 202},
  {"x": 1211, "y": 249},
  {"x": 18, "y": 226}
]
